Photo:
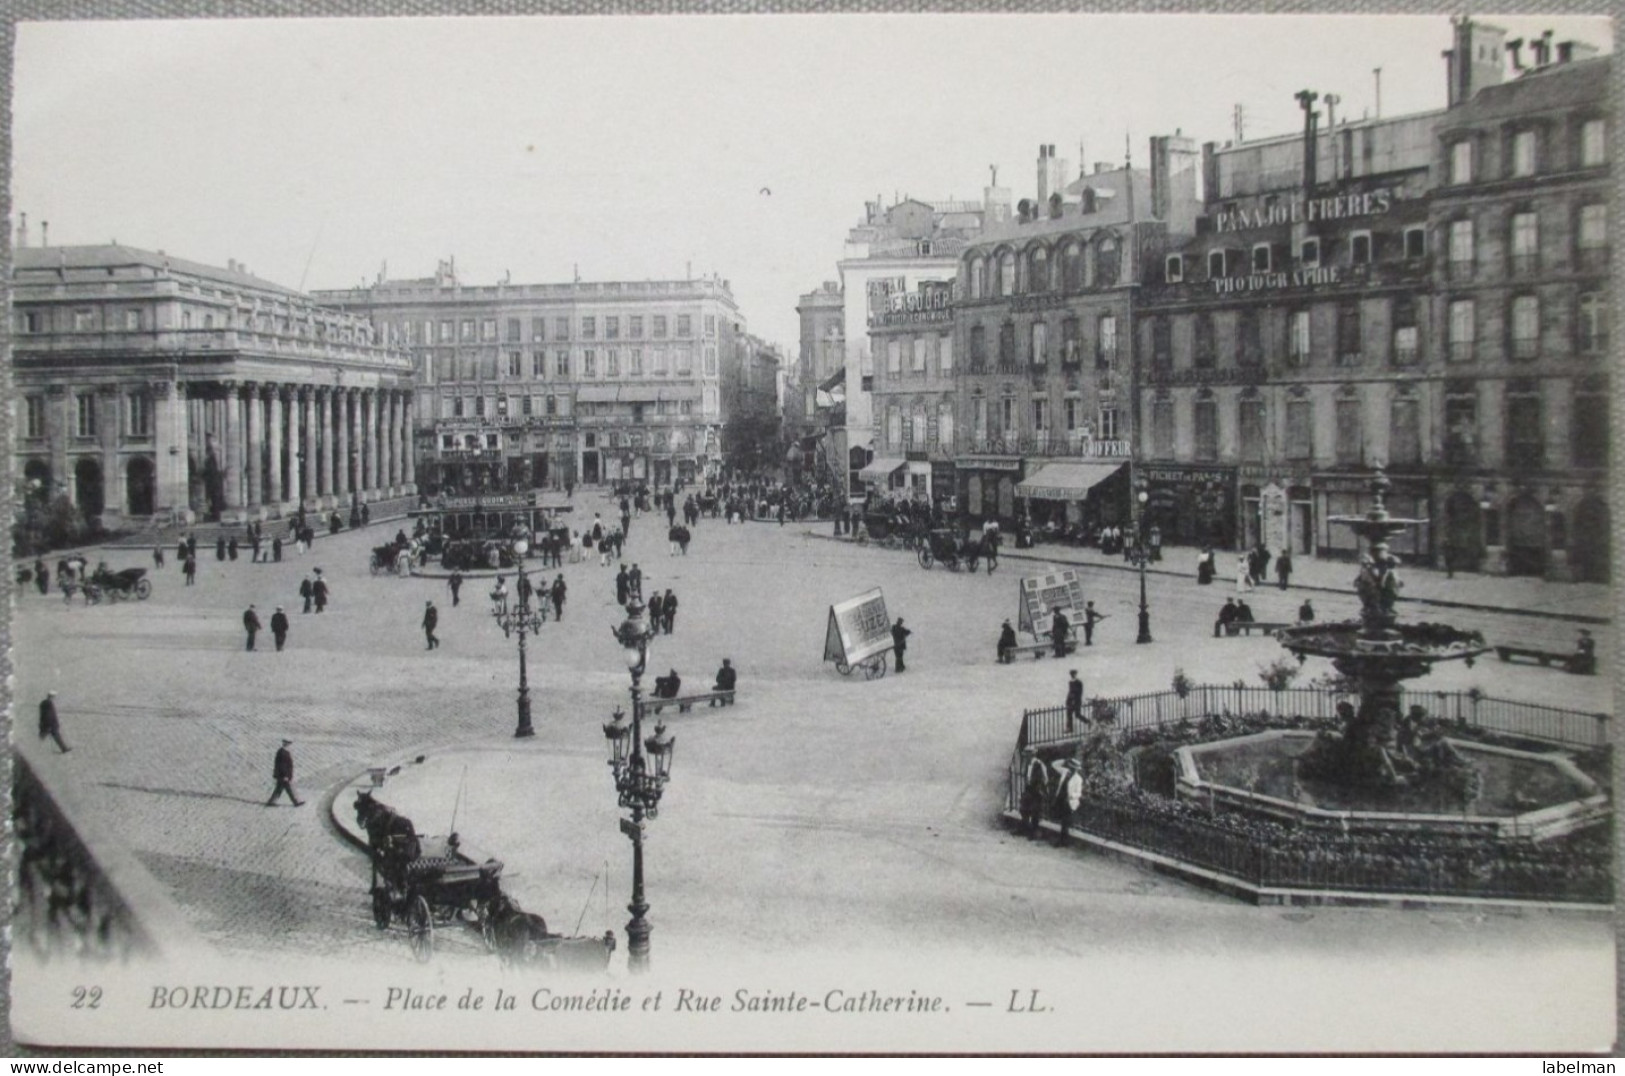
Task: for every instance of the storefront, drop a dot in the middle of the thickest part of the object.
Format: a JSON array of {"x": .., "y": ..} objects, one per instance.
[
  {"x": 1192, "y": 505},
  {"x": 1076, "y": 494},
  {"x": 884, "y": 475},
  {"x": 943, "y": 486},
  {"x": 1277, "y": 509},
  {"x": 1341, "y": 493},
  {"x": 987, "y": 487}
]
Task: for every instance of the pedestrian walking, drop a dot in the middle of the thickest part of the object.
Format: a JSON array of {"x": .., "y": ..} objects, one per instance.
[
  {"x": 307, "y": 591},
  {"x": 669, "y": 611},
  {"x": 634, "y": 582},
  {"x": 366, "y": 515},
  {"x": 279, "y": 628},
  {"x": 318, "y": 590},
  {"x": 557, "y": 593},
  {"x": 191, "y": 545},
  {"x": 189, "y": 568},
  {"x": 899, "y": 642},
  {"x": 254, "y": 548},
  {"x": 42, "y": 576},
  {"x": 251, "y": 624},
  {"x": 1090, "y": 619},
  {"x": 276, "y": 549},
  {"x": 431, "y": 618},
  {"x": 282, "y": 774},
  {"x": 622, "y": 586},
  {"x": 1007, "y": 644},
  {"x": 671, "y": 536},
  {"x": 657, "y": 612},
  {"x": 456, "y": 585},
  {"x": 1283, "y": 568},
  {"x": 49, "y": 725},
  {"x": 1450, "y": 557},
  {"x": 220, "y": 548},
  {"x": 1244, "y": 574},
  {"x": 1156, "y": 542},
  {"x": 1074, "y": 700},
  {"x": 1034, "y": 793},
  {"x": 1068, "y": 797},
  {"x": 157, "y": 555},
  {"x": 181, "y": 551}
]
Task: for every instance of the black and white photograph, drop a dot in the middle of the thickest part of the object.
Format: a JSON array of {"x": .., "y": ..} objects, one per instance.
[{"x": 767, "y": 532}]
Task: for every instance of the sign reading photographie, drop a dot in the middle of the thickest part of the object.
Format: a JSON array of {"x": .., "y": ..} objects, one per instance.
[
  {"x": 858, "y": 628},
  {"x": 1042, "y": 595}
]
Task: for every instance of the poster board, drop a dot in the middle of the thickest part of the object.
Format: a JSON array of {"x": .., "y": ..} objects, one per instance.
[
  {"x": 858, "y": 628},
  {"x": 1042, "y": 595}
]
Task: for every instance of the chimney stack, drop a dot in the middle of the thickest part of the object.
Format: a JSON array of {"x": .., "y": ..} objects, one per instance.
[
  {"x": 22, "y": 230},
  {"x": 1306, "y": 101},
  {"x": 1515, "y": 47},
  {"x": 44, "y": 233}
]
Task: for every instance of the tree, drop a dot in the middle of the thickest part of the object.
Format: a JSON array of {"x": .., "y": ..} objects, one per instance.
[{"x": 751, "y": 442}]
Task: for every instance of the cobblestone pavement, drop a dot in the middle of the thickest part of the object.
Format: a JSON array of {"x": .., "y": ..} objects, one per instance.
[{"x": 819, "y": 811}]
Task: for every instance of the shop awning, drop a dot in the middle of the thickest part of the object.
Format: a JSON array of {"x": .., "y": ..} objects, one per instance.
[
  {"x": 1067, "y": 481},
  {"x": 882, "y": 468}
]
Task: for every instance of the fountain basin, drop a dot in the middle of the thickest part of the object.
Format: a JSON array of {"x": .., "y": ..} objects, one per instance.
[{"x": 1528, "y": 795}]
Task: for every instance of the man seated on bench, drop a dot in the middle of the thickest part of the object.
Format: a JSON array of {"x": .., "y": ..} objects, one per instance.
[
  {"x": 1059, "y": 629},
  {"x": 1227, "y": 617},
  {"x": 1007, "y": 644},
  {"x": 727, "y": 676},
  {"x": 1244, "y": 613},
  {"x": 666, "y": 687},
  {"x": 1585, "y": 654}
]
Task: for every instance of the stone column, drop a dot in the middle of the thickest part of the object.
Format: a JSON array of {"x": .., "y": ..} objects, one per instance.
[
  {"x": 274, "y": 442},
  {"x": 232, "y": 405},
  {"x": 256, "y": 446},
  {"x": 386, "y": 454},
  {"x": 324, "y": 423},
  {"x": 409, "y": 445},
  {"x": 115, "y": 498},
  {"x": 307, "y": 419},
  {"x": 170, "y": 492},
  {"x": 369, "y": 427},
  {"x": 296, "y": 491},
  {"x": 341, "y": 400}
]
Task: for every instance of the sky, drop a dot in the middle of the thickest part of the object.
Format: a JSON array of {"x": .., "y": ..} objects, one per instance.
[{"x": 320, "y": 151}]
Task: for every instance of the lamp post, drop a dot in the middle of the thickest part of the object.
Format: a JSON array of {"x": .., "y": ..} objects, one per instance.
[
  {"x": 1140, "y": 555},
  {"x": 526, "y": 621},
  {"x": 641, "y": 768}
]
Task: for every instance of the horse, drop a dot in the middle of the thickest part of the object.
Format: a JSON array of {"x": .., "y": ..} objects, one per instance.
[
  {"x": 517, "y": 936},
  {"x": 390, "y": 835}
]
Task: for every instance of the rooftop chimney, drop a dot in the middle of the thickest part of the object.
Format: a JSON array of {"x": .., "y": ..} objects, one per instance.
[
  {"x": 1515, "y": 47},
  {"x": 1306, "y": 101},
  {"x": 22, "y": 230},
  {"x": 1476, "y": 59},
  {"x": 44, "y": 233}
]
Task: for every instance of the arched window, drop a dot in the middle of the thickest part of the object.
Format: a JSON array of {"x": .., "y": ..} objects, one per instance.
[
  {"x": 1038, "y": 270},
  {"x": 978, "y": 278},
  {"x": 1072, "y": 266},
  {"x": 1106, "y": 262},
  {"x": 1007, "y": 273}
]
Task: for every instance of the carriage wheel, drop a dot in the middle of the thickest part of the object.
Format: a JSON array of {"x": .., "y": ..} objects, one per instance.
[
  {"x": 843, "y": 668},
  {"x": 374, "y": 565},
  {"x": 952, "y": 563},
  {"x": 420, "y": 929},
  {"x": 874, "y": 668},
  {"x": 143, "y": 589},
  {"x": 924, "y": 554},
  {"x": 380, "y": 909}
]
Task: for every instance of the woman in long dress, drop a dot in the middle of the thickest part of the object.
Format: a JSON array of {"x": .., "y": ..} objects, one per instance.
[{"x": 1244, "y": 575}]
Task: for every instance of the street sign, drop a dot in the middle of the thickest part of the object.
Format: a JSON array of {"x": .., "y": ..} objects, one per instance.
[{"x": 632, "y": 829}]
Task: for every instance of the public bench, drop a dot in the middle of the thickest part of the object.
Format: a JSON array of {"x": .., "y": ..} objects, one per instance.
[
  {"x": 1044, "y": 646},
  {"x": 1584, "y": 664},
  {"x": 1247, "y": 627},
  {"x": 685, "y": 702}
]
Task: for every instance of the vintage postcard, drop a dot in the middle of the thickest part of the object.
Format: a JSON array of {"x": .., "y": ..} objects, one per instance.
[{"x": 813, "y": 533}]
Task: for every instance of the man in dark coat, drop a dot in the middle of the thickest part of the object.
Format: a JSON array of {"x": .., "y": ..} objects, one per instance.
[
  {"x": 899, "y": 642},
  {"x": 1306, "y": 612},
  {"x": 279, "y": 627},
  {"x": 1074, "y": 700},
  {"x": 49, "y": 725},
  {"x": 557, "y": 594},
  {"x": 1227, "y": 616},
  {"x": 307, "y": 592},
  {"x": 276, "y": 549},
  {"x": 1007, "y": 644},
  {"x": 634, "y": 582},
  {"x": 669, "y": 611},
  {"x": 1059, "y": 629},
  {"x": 727, "y": 677},
  {"x": 42, "y": 576},
  {"x": 220, "y": 548},
  {"x": 1090, "y": 619},
  {"x": 657, "y": 612},
  {"x": 456, "y": 584},
  {"x": 189, "y": 568},
  {"x": 282, "y": 774},
  {"x": 231, "y": 548},
  {"x": 251, "y": 624},
  {"x": 431, "y": 617},
  {"x": 1283, "y": 568},
  {"x": 622, "y": 585},
  {"x": 667, "y": 687},
  {"x": 318, "y": 590}
]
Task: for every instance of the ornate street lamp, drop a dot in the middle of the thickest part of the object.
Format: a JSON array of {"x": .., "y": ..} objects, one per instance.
[
  {"x": 1140, "y": 555},
  {"x": 641, "y": 767},
  {"x": 525, "y": 620}
]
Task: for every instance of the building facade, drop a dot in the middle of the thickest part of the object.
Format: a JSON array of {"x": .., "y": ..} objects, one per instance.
[
  {"x": 152, "y": 386},
  {"x": 912, "y": 340},
  {"x": 537, "y": 385},
  {"x": 1428, "y": 292},
  {"x": 815, "y": 396}
]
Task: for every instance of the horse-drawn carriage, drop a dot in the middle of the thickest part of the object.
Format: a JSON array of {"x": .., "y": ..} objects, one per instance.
[
  {"x": 477, "y": 554},
  {"x": 425, "y": 882},
  {"x": 123, "y": 584},
  {"x": 947, "y": 546},
  {"x": 387, "y": 558}
]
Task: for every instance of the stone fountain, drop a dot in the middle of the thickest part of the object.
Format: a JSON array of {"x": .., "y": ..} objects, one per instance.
[{"x": 1379, "y": 747}]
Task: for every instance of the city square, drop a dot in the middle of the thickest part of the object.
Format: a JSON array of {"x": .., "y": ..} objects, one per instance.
[{"x": 1240, "y": 501}]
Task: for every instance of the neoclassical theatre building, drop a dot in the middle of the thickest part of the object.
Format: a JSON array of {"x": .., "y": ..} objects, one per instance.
[{"x": 152, "y": 387}]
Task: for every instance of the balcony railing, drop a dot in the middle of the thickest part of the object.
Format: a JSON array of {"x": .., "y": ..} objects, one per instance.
[
  {"x": 1525, "y": 347},
  {"x": 1048, "y": 444},
  {"x": 167, "y": 342}
]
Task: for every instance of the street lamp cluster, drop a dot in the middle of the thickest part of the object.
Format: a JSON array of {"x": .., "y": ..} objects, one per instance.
[
  {"x": 523, "y": 618},
  {"x": 1140, "y": 554},
  {"x": 641, "y": 768}
]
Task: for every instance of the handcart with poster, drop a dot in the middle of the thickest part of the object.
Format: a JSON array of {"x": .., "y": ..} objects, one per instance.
[{"x": 859, "y": 635}]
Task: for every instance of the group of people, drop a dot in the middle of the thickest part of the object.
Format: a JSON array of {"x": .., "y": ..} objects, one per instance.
[
  {"x": 670, "y": 686},
  {"x": 279, "y": 626}
]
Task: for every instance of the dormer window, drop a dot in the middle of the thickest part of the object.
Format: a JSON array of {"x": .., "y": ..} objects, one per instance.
[
  {"x": 1173, "y": 271},
  {"x": 1309, "y": 254},
  {"x": 1360, "y": 248},
  {"x": 1261, "y": 257}
]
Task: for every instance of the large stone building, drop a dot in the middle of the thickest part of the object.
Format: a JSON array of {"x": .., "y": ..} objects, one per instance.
[
  {"x": 152, "y": 386},
  {"x": 530, "y": 385},
  {"x": 914, "y": 387},
  {"x": 1042, "y": 338},
  {"x": 815, "y": 398},
  {"x": 1429, "y": 292}
]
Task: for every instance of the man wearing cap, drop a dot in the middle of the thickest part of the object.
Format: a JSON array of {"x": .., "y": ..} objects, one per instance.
[
  {"x": 899, "y": 642},
  {"x": 1007, "y": 644},
  {"x": 307, "y": 592},
  {"x": 48, "y": 723},
  {"x": 1074, "y": 700},
  {"x": 251, "y": 624},
  {"x": 279, "y": 627},
  {"x": 282, "y": 773},
  {"x": 1090, "y": 619},
  {"x": 727, "y": 677},
  {"x": 431, "y": 617}
]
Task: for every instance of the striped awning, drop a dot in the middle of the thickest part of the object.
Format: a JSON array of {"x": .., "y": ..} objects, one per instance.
[
  {"x": 1067, "y": 481},
  {"x": 880, "y": 469}
]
